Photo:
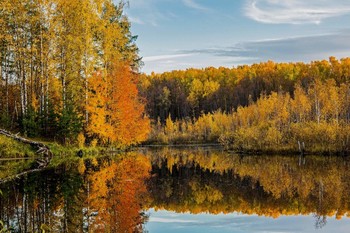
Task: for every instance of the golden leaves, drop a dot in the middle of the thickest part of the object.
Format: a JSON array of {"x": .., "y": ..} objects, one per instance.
[
  {"x": 117, "y": 193},
  {"x": 116, "y": 113}
]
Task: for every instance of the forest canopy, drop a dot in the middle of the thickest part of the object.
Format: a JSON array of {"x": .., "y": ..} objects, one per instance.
[
  {"x": 189, "y": 93},
  {"x": 69, "y": 68},
  {"x": 269, "y": 106}
]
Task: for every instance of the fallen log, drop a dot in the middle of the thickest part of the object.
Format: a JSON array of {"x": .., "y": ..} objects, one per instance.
[{"x": 41, "y": 148}]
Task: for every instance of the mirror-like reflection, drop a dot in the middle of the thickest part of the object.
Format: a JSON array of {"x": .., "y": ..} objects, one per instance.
[
  {"x": 111, "y": 194},
  {"x": 12, "y": 167},
  {"x": 102, "y": 195},
  {"x": 215, "y": 182}
]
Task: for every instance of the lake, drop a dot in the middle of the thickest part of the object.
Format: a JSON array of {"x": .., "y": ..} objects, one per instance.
[{"x": 197, "y": 189}]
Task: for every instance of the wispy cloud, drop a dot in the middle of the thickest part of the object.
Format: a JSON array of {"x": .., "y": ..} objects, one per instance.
[
  {"x": 295, "y": 11},
  {"x": 287, "y": 49},
  {"x": 194, "y": 5},
  {"x": 294, "y": 49},
  {"x": 165, "y": 58},
  {"x": 136, "y": 20},
  {"x": 149, "y": 10},
  {"x": 171, "y": 220},
  {"x": 187, "y": 60}
]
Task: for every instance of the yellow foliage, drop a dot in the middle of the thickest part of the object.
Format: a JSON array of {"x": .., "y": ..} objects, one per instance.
[
  {"x": 93, "y": 142},
  {"x": 81, "y": 166},
  {"x": 81, "y": 140},
  {"x": 94, "y": 162},
  {"x": 315, "y": 113}
]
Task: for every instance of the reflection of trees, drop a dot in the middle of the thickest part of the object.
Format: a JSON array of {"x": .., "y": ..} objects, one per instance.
[
  {"x": 107, "y": 196},
  {"x": 266, "y": 185},
  {"x": 33, "y": 202},
  {"x": 117, "y": 192},
  {"x": 11, "y": 168},
  {"x": 103, "y": 195},
  {"x": 320, "y": 221}
]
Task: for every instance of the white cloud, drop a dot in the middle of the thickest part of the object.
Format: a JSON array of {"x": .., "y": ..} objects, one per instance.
[
  {"x": 148, "y": 10},
  {"x": 304, "y": 48},
  {"x": 292, "y": 49},
  {"x": 136, "y": 20},
  {"x": 172, "y": 220},
  {"x": 164, "y": 63},
  {"x": 194, "y": 5},
  {"x": 295, "y": 11},
  {"x": 164, "y": 58}
]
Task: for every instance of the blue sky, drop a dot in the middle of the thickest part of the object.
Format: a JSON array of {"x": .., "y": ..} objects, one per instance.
[{"x": 179, "y": 34}]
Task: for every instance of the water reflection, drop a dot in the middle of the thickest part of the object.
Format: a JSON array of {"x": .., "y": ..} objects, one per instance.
[
  {"x": 10, "y": 167},
  {"x": 102, "y": 195},
  {"x": 110, "y": 194},
  {"x": 216, "y": 182}
]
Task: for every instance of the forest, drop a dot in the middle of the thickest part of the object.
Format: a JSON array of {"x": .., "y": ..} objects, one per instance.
[
  {"x": 269, "y": 106},
  {"x": 90, "y": 143},
  {"x": 68, "y": 72}
]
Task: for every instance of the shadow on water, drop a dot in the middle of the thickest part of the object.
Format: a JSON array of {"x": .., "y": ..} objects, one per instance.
[{"x": 111, "y": 194}]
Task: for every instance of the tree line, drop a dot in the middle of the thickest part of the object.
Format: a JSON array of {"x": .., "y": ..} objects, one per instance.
[
  {"x": 69, "y": 68},
  {"x": 266, "y": 106},
  {"x": 69, "y": 72},
  {"x": 189, "y": 93}
]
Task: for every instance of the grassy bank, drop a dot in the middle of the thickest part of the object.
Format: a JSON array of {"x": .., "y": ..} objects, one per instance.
[{"x": 10, "y": 148}]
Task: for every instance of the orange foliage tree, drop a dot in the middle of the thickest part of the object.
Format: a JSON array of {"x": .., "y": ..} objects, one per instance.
[
  {"x": 127, "y": 112},
  {"x": 116, "y": 112}
]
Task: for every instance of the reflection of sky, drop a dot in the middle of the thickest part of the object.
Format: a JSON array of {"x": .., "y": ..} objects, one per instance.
[{"x": 167, "y": 221}]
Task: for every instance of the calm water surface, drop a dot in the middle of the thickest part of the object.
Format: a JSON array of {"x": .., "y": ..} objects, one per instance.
[{"x": 179, "y": 190}]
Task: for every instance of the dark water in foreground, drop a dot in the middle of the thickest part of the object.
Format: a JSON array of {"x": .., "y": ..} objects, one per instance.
[{"x": 180, "y": 190}]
